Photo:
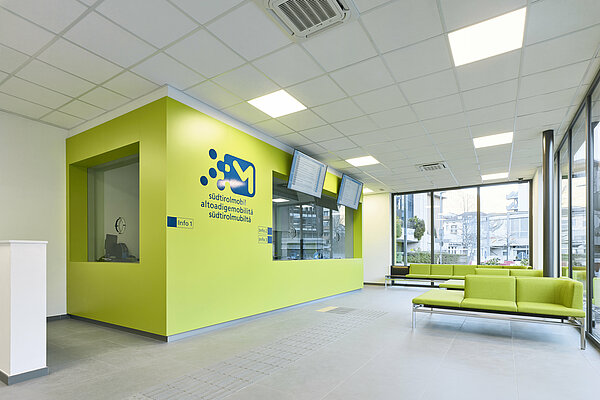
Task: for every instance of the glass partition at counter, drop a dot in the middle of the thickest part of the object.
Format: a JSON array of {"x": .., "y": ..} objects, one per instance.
[
  {"x": 308, "y": 228},
  {"x": 113, "y": 211}
]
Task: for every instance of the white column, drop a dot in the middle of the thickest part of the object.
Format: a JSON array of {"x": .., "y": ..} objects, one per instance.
[{"x": 22, "y": 310}]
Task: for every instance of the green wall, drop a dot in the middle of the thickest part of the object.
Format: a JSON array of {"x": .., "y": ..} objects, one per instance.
[{"x": 189, "y": 278}]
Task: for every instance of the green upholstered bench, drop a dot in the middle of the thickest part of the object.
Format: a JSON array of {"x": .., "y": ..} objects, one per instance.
[
  {"x": 519, "y": 298},
  {"x": 453, "y": 284},
  {"x": 433, "y": 273}
]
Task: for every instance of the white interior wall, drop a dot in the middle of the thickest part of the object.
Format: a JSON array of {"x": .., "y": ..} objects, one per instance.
[
  {"x": 33, "y": 194},
  {"x": 538, "y": 220},
  {"x": 377, "y": 236}
]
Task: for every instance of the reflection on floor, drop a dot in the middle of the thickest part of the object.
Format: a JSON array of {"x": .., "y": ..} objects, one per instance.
[{"x": 366, "y": 352}]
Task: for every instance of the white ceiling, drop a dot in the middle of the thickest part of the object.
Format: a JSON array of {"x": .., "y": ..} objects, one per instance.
[{"x": 383, "y": 85}]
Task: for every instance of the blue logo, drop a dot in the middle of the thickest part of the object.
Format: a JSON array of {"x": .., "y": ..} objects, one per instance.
[{"x": 240, "y": 174}]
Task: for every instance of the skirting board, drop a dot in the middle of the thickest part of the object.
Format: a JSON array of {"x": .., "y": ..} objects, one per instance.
[
  {"x": 194, "y": 332},
  {"x": 10, "y": 380}
]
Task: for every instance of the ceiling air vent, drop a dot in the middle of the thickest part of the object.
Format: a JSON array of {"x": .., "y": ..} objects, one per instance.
[
  {"x": 432, "y": 167},
  {"x": 303, "y": 18}
]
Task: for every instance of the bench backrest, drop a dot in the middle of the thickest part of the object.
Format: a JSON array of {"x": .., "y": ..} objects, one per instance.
[
  {"x": 422, "y": 269},
  {"x": 492, "y": 271},
  {"x": 462, "y": 270},
  {"x": 490, "y": 287},
  {"x": 562, "y": 291},
  {"x": 526, "y": 272},
  {"x": 441, "y": 269}
]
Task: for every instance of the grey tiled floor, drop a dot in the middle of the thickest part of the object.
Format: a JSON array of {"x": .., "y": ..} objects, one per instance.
[{"x": 445, "y": 357}]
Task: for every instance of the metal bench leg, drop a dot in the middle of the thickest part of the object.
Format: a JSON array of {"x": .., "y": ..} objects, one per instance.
[
  {"x": 414, "y": 317},
  {"x": 582, "y": 329}
]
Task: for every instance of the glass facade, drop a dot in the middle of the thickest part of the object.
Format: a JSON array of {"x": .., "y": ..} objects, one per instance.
[
  {"x": 577, "y": 159},
  {"x": 452, "y": 236}
]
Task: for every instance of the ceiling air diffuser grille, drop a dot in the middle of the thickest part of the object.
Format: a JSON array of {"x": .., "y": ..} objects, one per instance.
[
  {"x": 432, "y": 167},
  {"x": 302, "y": 18}
]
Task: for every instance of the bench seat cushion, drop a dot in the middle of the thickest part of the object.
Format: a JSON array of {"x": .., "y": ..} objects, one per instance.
[
  {"x": 489, "y": 304},
  {"x": 453, "y": 284},
  {"x": 440, "y": 297},
  {"x": 548, "y": 309},
  {"x": 422, "y": 276}
]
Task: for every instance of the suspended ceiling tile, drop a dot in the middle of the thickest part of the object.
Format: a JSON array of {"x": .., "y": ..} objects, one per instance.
[
  {"x": 337, "y": 48},
  {"x": 338, "y": 144},
  {"x": 423, "y": 58},
  {"x": 254, "y": 34},
  {"x": 380, "y": 99},
  {"x": 541, "y": 119},
  {"x": 164, "y": 70},
  {"x": 104, "y": 98},
  {"x": 246, "y": 82},
  {"x": 63, "y": 120},
  {"x": 461, "y": 13},
  {"x": 204, "y": 11},
  {"x": 429, "y": 87},
  {"x": 54, "y": 15},
  {"x": 313, "y": 149},
  {"x": 246, "y": 113},
  {"x": 80, "y": 62},
  {"x": 438, "y": 107},
  {"x": 393, "y": 117},
  {"x": 364, "y": 139},
  {"x": 551, "y": 81},
  {"x": 11, "y": 59},
  {"x": 288, "y": 66},
  {"x": 402, "y": 23},
  {"x": 321, "y": 133},
  {"x": 356, "y": 125},
  {"x": 273, "y": 127},
  {"x": 99, "y": 35},
  {"x": 317, "y": 91},
  {"x": 22, "y": 35},
  {"x": 365, "y": 5},
  {"x": 82, "y": 110},
  {"x": 546, "y": 102},
  {"x": 450, "y": 136},
  {"x": 193, "y": 50},
  {"x": 446, "y": 123},
  {"x": 55, "y": 79},
  {"x": 565, "y": 50},
  {"x": 492, "y": 113},
  {"x": 405, "y": 131},
  {"x": 338, "y": 110},
  {"x": 551, "y": 18},
  {"x": 155, "y": 21},
  {"x": 213, "y": 95},
  {"x": 363, "y": 76},
  {"x": 23, "y": 107},
  {"x": 490, "y": 128},
  {"x": 492, "y": 70},
  {"x": 34, "y": 93},
  {"x": 302, "y": 120},
  {"x": 490, "y": 95},
  {"x": 130, "y": 85},
  {"x": 294, "y": 140}
]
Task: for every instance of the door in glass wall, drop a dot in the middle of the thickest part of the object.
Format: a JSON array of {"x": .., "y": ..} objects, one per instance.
[
  {"x": 578, "y": 199},
  {"x": 563, "y": 227},
  {"x": 399, "y": 230},
  {"x": 594, "y": 296},
  {"x": 455, "y": 230},
  {"x": 505, "y": 224},
  {"x": 418, "y": 227}
]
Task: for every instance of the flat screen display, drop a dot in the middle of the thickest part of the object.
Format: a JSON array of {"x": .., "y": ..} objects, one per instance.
[
  {"x": 307, "y": 175},
  {"x": 350, "y": 191}
]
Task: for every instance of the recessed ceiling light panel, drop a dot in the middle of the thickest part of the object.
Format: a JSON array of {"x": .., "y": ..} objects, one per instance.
[
  {"x": 493, "y": 140},
  {"x": 277, "y": 104},
  {"x": 488, "y": 38},
  {"x": 280, "y": 200},
  {"x": 367, "y": 190},
  {"x": 499, "y": 175},
  {"x": 362, "y": 161}
]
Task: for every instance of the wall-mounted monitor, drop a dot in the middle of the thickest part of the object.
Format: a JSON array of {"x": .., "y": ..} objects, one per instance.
[
  {"x": 307, "y": 175},
  {"x": 350, "y": 191}
]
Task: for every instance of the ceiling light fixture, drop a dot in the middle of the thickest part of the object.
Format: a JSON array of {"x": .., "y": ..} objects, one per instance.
[
  {"x": 367, "y": 190},
  {"x": 499, "y": 175},
  {"x": 493, "y": 140},
  {"x": 277, "y": 104},
  {"x": 362, "y": 161},
  {"x": 279, "y": 200},
  {"x": 488, "y": 38}
]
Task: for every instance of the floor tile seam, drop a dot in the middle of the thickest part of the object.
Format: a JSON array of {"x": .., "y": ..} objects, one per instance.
[{"x": 353, "y": 373}]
